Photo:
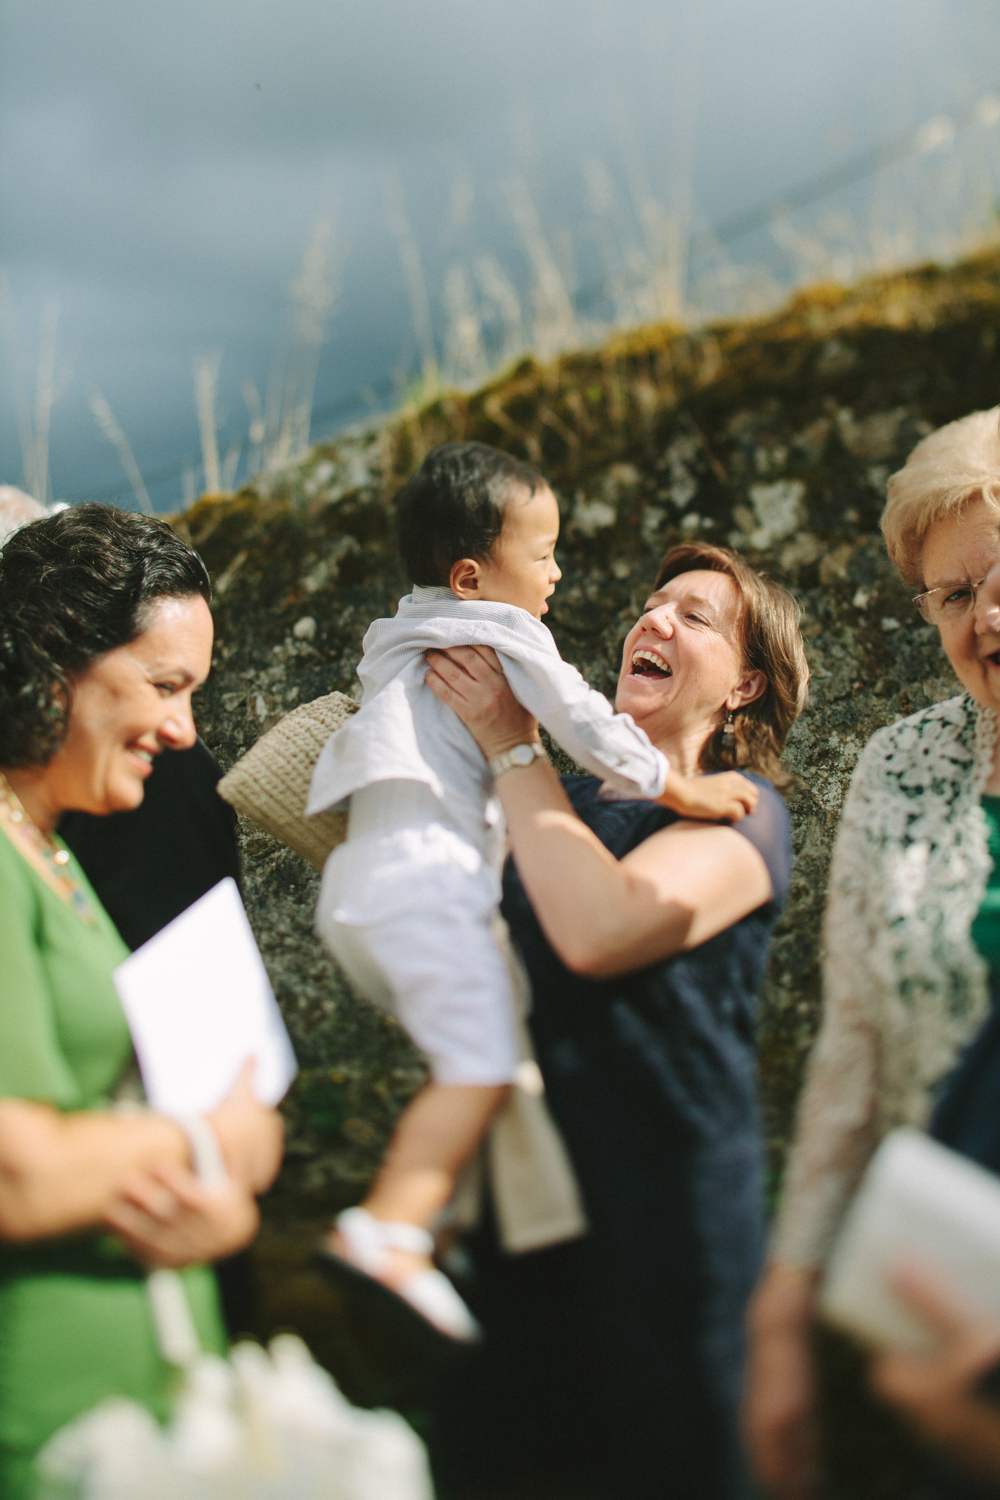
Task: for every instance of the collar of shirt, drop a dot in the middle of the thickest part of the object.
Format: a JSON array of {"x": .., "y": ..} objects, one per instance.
[{"x": 427, "y": 593}]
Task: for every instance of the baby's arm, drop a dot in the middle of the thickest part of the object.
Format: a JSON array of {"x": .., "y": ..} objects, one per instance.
[
  {"x": 728, "y": 795},
  {"x": 584, "y": 724}
]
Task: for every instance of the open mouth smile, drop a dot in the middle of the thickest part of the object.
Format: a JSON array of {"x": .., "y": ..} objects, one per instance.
[
  {"x": 647, "y": 664},
  {"x": 144, "y": 757}
]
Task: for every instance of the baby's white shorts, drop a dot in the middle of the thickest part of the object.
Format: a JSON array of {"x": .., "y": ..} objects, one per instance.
[{"x": 407, "y": 914}]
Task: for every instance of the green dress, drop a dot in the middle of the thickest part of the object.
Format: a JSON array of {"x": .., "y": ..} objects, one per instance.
[{"x": 74, "y": 1320}]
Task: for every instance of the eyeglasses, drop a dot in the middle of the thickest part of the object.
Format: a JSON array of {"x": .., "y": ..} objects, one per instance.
[{"x": 952, "y": 601}]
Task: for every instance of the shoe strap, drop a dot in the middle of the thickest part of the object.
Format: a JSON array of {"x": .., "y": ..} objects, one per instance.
[{"x": 369, "y": 1238}]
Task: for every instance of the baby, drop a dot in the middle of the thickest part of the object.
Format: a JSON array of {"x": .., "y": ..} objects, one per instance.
[{"x": 407, "y": 903}]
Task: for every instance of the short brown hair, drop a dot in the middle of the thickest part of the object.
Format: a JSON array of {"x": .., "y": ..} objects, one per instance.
[
  {"x": 957, "y": 463},
  {"x": 771, "y": 643}
]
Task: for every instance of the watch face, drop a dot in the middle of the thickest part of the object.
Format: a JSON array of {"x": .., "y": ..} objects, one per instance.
[{"x": 522, "y": 755}]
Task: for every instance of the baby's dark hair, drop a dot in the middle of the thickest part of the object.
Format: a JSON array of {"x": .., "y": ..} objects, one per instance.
[{"x": 453, "y": 507}]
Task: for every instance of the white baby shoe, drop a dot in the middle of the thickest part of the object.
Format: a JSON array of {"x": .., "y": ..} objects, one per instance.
[{"x": 366, "y": 1241}]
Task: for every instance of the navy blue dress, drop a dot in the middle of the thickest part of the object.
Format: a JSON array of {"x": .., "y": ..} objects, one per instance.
[{"x": 651, "y": 1078}]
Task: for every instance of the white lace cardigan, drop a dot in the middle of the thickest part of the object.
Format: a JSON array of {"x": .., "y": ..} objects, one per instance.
[{"x": 904, "y": 986}]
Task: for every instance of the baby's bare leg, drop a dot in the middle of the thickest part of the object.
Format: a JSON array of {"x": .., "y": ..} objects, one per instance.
[{"x": 434, "y": 1138}]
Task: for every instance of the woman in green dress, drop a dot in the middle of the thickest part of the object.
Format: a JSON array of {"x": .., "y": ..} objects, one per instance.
[{"x": 105, "y": 634}]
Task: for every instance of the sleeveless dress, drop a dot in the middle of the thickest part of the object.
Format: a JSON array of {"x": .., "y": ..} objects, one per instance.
[
  {"x": 75, "y": 1325},
  {"x": 651, "y": 1078}
]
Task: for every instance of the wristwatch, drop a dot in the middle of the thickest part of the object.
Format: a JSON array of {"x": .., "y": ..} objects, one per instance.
[{"x": 520, "y": 755}]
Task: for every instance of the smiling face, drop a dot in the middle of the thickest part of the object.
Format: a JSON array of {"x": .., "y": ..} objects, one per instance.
[
  {"x": 127, "y": 707},
  {"x": 521, "y": 569},
  {"x": 682, "y": 665},
  {"x": 960, "y": 549}
]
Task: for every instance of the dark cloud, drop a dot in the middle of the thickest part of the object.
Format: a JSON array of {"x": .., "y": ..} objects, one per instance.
[{"x": 161, "y": 166}]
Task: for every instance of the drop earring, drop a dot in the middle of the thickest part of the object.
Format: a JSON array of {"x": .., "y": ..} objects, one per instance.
[{"x": 729, "y": 728}]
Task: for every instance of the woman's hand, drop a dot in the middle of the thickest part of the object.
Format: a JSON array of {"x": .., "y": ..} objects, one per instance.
[
  {"x": 165, "y": 1218},
  {"x": 250, "y": 1134},
  {"x": 937, "y": 1390},
  {"x": 779, "y": 1402},
  {"x": 59, "y": 1172},
  {"x": 470, "y": 680}
]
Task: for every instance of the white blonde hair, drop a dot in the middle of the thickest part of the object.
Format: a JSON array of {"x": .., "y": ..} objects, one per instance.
[{"x": 956, "y": 464}]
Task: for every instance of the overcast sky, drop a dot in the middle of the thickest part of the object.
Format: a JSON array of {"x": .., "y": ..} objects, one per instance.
[{"x": 162, "y": 167}]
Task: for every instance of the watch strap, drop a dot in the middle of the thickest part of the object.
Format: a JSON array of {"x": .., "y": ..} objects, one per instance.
[{"x": 518, "y": 755}]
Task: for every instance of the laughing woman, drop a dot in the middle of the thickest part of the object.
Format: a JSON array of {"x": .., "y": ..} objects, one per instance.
[
  {"x": 646, "y": 938},
  {"x": 105, "y": 633}
]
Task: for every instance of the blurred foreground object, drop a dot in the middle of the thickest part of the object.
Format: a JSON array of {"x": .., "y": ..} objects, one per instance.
[
  {"x": 261, "y": 1425},
  {"x": 920, "y": 1203},
  {"x": 949, "y": 1392}
]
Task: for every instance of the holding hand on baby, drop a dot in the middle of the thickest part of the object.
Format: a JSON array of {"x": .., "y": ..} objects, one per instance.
[{"x": 408, "y": 904}]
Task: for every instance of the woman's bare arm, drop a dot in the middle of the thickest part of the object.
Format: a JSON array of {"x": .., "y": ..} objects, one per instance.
[
  {"x": 64, "y": 1172},
  {"x": 60, "y": 1173},
  {"x": 602, "y": 916},
  {"x": 605, "y": 916}
]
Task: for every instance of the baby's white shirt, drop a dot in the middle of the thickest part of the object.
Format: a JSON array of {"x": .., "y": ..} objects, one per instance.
[{"x": 403, "y": 732}]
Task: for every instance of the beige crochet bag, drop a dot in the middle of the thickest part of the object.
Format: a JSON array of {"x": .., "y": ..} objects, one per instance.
[{"x": 270, "y": 784}]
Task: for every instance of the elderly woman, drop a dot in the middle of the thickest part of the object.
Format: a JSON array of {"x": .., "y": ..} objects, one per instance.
[
  {"x": 646, "y": 938},
  {"x": 105, "y": 633},
  {"x": 913, "y": 919}
]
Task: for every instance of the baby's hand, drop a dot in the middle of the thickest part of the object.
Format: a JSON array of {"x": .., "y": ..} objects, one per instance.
[{"x": 728, "y": 795}]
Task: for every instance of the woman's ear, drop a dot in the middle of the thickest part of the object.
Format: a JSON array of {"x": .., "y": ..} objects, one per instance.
[
  {"x": 751, "y": 688},
  {"x": 465, "y": 578}
]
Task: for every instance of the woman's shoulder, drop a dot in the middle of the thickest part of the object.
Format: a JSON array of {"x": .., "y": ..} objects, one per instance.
[
  {"x": 623, "y": 824},
  {"x": 19, "y": 893},
  {"x": 949, "y": 718},
  {"x": 934, "y": 740},
  {"x": 769, "y": 829}
]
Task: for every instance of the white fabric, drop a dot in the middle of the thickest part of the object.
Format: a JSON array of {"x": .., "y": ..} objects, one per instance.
[
  {"x": 434, "y": 1297},
  {"x": 919, "y": 1202},
  {"x": 260, "y": 1426},
  {"x": 904, "y": 985},
  {"x": 367, "y": 1239},
  {"x": 406, "y": 903},
  {"x": 405, "y": 906},
  {"x": 403, "y": 732}
]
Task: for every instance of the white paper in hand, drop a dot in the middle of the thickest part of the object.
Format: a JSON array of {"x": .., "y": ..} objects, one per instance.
[
  {"x": 199, "y": 1003},
  {"x": 922, "y": 1203}
]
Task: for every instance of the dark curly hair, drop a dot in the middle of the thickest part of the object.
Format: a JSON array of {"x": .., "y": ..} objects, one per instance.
[
  {"x": 453, "y": 507},
  {"x": 73, "y": 586}
]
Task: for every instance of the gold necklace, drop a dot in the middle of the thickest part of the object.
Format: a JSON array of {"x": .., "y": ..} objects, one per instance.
[{"x": 53, "y": 855}]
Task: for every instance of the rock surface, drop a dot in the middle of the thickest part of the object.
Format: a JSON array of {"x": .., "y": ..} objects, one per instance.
[{"x": 775, "y": 437}]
